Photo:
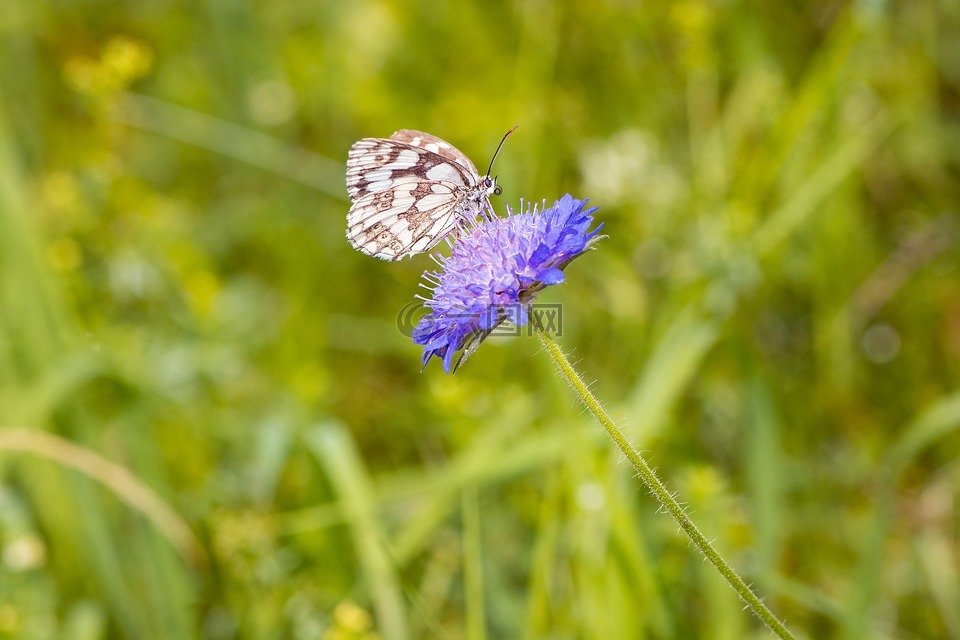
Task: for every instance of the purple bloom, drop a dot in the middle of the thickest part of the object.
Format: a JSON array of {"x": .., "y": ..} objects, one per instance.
[{"x": 494, "y": 272}]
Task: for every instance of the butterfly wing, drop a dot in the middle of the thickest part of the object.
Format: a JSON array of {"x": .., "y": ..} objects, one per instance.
[
  {"x": 409, "y": 218},
  {"x": 438, "y": 146},
  {"x": 379, "y": 164}
]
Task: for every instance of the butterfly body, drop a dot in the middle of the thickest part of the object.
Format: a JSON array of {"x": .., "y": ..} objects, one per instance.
[{"x": 409, "y": 191}]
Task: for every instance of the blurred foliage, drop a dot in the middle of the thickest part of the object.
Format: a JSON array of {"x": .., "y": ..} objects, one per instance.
[{"x": 775, "y": 318}]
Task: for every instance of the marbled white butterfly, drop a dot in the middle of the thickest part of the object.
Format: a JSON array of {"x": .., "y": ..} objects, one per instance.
[{"x": 409, "y": 191}]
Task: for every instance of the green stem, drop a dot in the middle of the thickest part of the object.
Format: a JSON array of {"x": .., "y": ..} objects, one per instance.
[{"x": 659, "y": 491}]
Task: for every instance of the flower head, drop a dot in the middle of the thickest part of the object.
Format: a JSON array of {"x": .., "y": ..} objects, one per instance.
[{"x": 494, "y": 272}]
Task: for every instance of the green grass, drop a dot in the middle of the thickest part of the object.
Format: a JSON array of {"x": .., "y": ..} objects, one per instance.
[{"x": 774, "y": 320}]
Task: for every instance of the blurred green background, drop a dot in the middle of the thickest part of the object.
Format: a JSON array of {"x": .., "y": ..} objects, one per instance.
[{"x": 213, "y": 427}]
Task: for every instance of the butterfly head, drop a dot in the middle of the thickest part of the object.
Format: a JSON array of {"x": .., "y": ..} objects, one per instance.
[{"x": 489, "y": 186}]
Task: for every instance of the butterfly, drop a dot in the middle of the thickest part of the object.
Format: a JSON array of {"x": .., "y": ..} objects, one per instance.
[{"x": 410, "y": 191}]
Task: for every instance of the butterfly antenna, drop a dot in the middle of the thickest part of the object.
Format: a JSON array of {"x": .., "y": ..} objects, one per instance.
[{"x": 500, "y": 146}]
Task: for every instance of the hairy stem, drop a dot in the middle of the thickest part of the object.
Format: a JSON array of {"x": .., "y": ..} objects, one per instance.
[{"x": 659, "y": 491}]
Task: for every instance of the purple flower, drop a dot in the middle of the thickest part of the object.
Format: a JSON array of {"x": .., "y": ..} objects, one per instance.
[{"x": 494, "y": 272}]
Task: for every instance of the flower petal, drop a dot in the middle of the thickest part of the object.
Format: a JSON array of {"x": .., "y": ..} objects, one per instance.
[{"x": 551, "y": 276}]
